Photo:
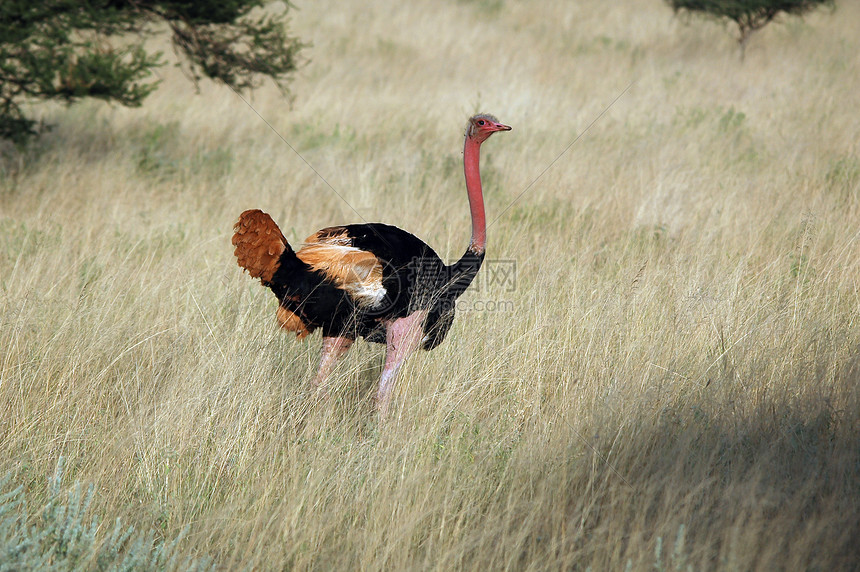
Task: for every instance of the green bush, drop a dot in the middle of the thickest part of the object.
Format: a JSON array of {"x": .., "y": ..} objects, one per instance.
[
  {"x": 748, "y": 15},
  {"x": 63, "y": 535},
  {"x": 67, "y": 50}
]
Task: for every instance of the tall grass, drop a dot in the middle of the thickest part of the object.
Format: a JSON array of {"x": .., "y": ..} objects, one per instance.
[{"x": 672, "y": 381}]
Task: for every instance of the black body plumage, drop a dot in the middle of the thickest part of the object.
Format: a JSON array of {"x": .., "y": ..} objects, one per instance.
[{"x": 413, "y": 276}]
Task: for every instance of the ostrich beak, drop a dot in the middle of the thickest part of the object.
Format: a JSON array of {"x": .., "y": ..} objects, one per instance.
[{"x": 501, "y": 127}]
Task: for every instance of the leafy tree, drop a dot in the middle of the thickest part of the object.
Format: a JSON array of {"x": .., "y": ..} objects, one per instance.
[
  {"x": 71, "y": 49},
  {"x": 749, "y": 15}
]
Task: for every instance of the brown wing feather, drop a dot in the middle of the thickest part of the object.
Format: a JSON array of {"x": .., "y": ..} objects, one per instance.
[
  {"x": 334, "y": 235},
  {"x": 357, "y": 271},
  {"x": 290, "y": 321},
  {"x": 259, "y": 244}
]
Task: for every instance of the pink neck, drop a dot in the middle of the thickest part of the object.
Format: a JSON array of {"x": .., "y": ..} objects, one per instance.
[{"x": 471, "y": 158}]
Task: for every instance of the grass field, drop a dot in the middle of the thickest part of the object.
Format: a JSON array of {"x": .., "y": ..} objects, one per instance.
[{"x": 671, "y": 381}]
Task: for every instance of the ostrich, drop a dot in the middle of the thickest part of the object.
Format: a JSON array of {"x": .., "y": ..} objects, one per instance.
[{"x": 371, "y": 280}]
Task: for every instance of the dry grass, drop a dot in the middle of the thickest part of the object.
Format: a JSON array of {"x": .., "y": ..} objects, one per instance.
[{"x": 676, "y": 371}]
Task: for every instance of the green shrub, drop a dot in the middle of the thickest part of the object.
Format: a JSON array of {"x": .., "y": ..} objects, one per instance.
[
  {"x": 63, "y": 535},
  {"x": 66, "y": 50},
  {"x": 748, "y": 15}
]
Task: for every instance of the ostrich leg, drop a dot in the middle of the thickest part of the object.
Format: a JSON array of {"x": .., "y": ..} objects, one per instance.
[
  {"x": 333, "y": 349},
  {"x": 402, "y": 339}
]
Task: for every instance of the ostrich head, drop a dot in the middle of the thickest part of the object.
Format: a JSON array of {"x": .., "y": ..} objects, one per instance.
[{"x": 482, "y": 126}]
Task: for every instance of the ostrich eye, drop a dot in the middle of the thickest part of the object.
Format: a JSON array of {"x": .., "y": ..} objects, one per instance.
[{"x": 480, "y": 122}]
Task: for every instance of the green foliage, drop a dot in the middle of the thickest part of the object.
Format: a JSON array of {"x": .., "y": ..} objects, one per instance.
[
  {"x": 678, "y": 558},
  {"x": 748, "y": 15},
  {"x": 732, "y": 120},
  {"x": 161, "y": 154},
  {"x": 67, "y": 50},
  {"x": 62, "y": 535},
  {"x": 844, "y": 176}
]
